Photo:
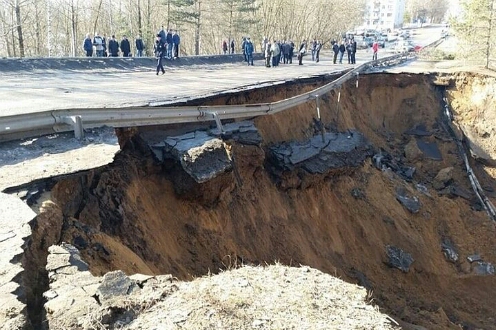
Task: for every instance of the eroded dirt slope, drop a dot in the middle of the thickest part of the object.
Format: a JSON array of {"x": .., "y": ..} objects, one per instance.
[{"x": 129, "y": 215}]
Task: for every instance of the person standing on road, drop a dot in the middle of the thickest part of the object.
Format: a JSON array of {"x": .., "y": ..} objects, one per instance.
[
  {"x": 104, "y": 44},
  {"x": 224, "y": 47},
  {"x": 375, "y": 49},
  {"x": 176, "y": 40},
  {"x": 314, "y": 49},
  {"x": 139, "y": 46},
  {"x": 301, "y": 51},
  {"x": 232, "y": 46},
  {"x": 353, "y": 51},
  {"x": 160, "y": 50},
  {"x": 349, "y": 51},
  {"x": 285, "y": 47},
  {"x": 98, "y": 43},
  {"x": 125, "y": 47},
  {"x": 113, "y": 47},
  {"x": 243, "y": 44},
  {"x": 170, "y": 44},
  {"x": 342, "y": 49},
  {"x": 318, "y": 47},
  {"x": 88, "y": 46},
  {"x": 335, "y": 49},
  {"x": 249, "y": 51},
  {"x": 267, "y": 54},
  {"x": 276, "y": 52}
]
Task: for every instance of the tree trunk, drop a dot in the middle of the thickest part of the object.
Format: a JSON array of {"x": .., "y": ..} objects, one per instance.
[
  {"x": 168, "y": 13},
  {"x": 73, "y": 30},
  {"x": 491, "y": 19},
  {"x": 97, "y": 15},
  {"x": 5, "y": 33},
  {"x": 198, "y": 29},
  {"x": 139, "y": 19},
  {"x": 19, "y": 27},
  {"x": 38, "y": 28}
]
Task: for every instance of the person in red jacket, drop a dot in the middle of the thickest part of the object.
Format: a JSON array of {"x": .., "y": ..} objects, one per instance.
[{"x": 375, "y": 49}]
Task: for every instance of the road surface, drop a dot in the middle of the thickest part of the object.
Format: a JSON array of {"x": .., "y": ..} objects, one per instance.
[{"x": 39, "y": 90}]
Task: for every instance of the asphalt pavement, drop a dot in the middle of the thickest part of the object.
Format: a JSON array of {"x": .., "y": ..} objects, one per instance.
[{"x": 51, "y": 89}]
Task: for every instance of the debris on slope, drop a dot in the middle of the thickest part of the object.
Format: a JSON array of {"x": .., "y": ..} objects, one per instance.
[
  {"x": 245, "y": 298},
  {"x": 14, "y": 219},
  {"x": 203, "y": 154},
  {"x": 321, "y": 154}
]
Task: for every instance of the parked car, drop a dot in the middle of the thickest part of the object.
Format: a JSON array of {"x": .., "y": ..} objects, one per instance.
[
  {"x": 393, "y": 36},
  {"x": 403, "y": 46},
  {"x": 371, "y": 33},
  {"x": 382, "y": 41}
]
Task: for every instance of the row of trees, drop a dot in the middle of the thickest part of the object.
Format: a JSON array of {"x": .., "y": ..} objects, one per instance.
[
  {"x": 476, "y": 30},
  {"x": 426, "y": 10},
  {"x": 58, "y": 27}
]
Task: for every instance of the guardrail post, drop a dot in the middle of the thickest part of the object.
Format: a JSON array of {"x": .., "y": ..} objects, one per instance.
[
  {"x": 322, "y": 127},
  {"x": 77, "y": 124},
  {"x": 215, "y": 116},
  {"x": 357, "y": 75}
]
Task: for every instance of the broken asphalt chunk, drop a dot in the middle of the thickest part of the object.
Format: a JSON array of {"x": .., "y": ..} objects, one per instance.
[
  {"x": 399, "y": 258},
  {"x": 412, "y": 204}
]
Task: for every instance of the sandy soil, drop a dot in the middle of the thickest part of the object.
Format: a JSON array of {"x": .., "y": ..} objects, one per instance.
[{"x": 130, "y": 208}]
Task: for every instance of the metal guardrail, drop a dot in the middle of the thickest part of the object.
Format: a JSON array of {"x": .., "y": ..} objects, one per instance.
[{"x": 47, "y": 122}]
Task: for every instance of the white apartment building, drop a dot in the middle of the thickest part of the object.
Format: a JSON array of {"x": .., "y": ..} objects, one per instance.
[{"x": 384, "y": 14}]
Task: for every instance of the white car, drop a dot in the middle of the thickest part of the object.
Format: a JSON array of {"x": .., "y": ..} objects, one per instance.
[
  {"x": 403, "y": 46},
  {"x": 391, "y": 37}
]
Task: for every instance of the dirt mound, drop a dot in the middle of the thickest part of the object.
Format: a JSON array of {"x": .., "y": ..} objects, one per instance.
[
  {"x": 348, "y": 223},
  {"x": 241, "y": 298}
]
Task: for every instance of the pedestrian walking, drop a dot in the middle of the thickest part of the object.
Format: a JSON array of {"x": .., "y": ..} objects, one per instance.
[{"x": 160, "y": 51}]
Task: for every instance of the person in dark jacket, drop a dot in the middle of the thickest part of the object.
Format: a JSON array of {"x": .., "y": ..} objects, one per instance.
[
  {"x": 342, "y": 49},
  {"x": 160, "y": 51},
  {"x": 335, "y": 49},
  {"x": 170, "y": 44},
  {"x": 318, "y": 47},
  {"x": 353, "y": 51},
  {"x": 88, "y": 46},
  {"x": 113, "y": 47},
  {"x": 176, "y": 40},
  {"x": 291, "y": 51},
  {"x": 140, "y": 46},
  {"x": 249, "y": 51},
  {"x": 232, "y": 46},
  {"x": 104, "y": 44},
  {"x": 301, "y": 52},
  {"x": 125, "y": 47},
  {"x": 162, "y": 34},
  {"x": 349, "y": 51},
  {"x": 243, "y": 44}
]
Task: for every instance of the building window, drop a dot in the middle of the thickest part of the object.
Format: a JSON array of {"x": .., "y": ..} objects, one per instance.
[{"x": 389, "y": 14}]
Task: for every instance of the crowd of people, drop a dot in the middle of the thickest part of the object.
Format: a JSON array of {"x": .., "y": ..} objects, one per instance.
[
  {"x": 166, "y": 46},
  {"x": 99, "y": 47},
  {"x": 277, "y": 52}
]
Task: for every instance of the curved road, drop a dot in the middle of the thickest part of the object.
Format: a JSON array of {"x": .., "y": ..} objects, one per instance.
[{"x": 27, "y": 92}]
